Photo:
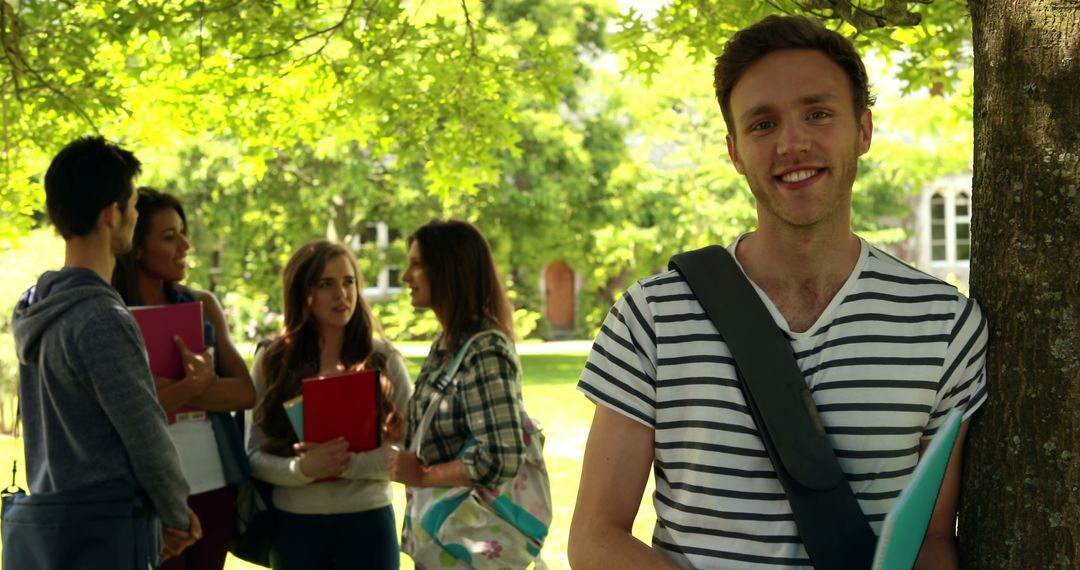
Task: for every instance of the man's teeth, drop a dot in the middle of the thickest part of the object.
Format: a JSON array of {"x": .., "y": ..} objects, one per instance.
[{"x": 798, "y": 175}]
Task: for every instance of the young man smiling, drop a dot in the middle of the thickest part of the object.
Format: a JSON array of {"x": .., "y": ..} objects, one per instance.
[{"x": 885, "y": 350}]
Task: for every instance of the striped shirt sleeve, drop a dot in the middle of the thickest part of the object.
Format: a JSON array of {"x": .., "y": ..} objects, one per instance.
[
  {"x": 621, "y": 370},
  {"x": 963, "y": 381}
]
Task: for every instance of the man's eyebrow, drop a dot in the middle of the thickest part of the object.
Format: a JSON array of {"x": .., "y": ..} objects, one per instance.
[
  {"x": 756, "y": 112},
  {"x": 766, "y": 108},
  {"x": 817, "y": 98}
]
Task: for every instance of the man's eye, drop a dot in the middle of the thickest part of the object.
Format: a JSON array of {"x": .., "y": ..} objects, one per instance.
[
  {"x": 819, "y": 115},
  {"x": 761, "y": 126}
]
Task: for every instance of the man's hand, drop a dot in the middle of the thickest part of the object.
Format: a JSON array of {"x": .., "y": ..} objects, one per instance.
[
  {"x": 322, "y": 460},
  {"x": 405, "y": 467},
  {"x": 938, "y": 551},
  {"x": 177, "y": 540}
]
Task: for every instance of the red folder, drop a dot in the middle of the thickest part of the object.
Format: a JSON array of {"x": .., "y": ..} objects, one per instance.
[
  {"x": 159, "y": 324},
  {"x": 343, "y": 405}
]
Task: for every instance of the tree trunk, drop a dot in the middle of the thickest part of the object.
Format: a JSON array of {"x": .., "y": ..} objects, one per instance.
[{"x": 1020, "y": 506}]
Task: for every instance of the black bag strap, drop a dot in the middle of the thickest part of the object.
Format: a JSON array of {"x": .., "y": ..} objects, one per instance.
[
  {"x": 834, "y": 529},
  {"x": 14, "y": 488}
]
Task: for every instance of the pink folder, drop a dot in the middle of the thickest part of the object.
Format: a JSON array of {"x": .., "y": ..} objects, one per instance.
[{"x": 159, "y": 324}]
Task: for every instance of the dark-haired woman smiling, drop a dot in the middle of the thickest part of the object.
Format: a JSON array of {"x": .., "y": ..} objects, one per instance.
[{"x": 211, "y": 451}]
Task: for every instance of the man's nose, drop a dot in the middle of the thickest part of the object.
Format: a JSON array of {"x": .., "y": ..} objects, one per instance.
[{"x": 794, "y": 137}]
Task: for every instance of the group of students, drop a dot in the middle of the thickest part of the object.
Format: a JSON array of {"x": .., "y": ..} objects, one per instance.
[
  {"x": 344, "y": 522},
  {"x": 886, "y": 353}
]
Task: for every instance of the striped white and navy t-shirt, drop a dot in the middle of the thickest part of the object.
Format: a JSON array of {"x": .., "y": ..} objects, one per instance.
[{"x": 894, "y": 351}]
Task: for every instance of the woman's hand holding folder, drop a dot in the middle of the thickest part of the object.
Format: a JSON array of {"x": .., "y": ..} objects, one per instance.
[{"x": 323, "y": 460}]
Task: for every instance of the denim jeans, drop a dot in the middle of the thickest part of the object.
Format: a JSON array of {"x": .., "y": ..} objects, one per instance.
[{"x": 364, "y": 540}]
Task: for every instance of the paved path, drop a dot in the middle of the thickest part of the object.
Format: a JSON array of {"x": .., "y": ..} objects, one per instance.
[{"x": 550, "y": 347}]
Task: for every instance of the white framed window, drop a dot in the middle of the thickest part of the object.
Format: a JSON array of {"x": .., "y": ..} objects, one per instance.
[
  {"x": 388, "y": 280},
  {"x": 938, "y": 225},
  {"x": 943, "y": 227},
  {"x": 962, "y": 221}
]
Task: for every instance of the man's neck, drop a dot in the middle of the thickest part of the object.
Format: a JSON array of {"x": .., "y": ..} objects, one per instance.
[
  {"x": 798, "y": 257},
  {"x": 91, "y": 252},
  {"x": 800, "y": 271}
]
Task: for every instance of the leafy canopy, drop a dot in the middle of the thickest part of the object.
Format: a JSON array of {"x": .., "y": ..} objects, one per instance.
[{"x": 565, "y": 128}]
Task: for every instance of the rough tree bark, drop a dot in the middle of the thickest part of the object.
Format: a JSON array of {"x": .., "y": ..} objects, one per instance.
[{"x": 1021, "y": 501}]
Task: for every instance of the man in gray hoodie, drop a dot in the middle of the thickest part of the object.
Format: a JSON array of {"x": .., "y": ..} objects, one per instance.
[{"x": 89, "y": 408}]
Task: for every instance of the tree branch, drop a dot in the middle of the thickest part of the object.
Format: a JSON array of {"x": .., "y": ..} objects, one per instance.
[
  {"x": 471, "y": 33},
  {"x": 78, "y": 108},
  {"x": 13, "y": 54},
  {"x": 469, "y": 28},
  {"x": 9, "y": 39},
  {"x": 328, "y": 32},
  {"x": 892, "y": 13}
]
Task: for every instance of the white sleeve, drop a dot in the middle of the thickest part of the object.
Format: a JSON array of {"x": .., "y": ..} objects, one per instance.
[
  {"x": 621, "y": 370},
  {"x": 275, "y": 469},
  {"x": 963, "y": 381}
]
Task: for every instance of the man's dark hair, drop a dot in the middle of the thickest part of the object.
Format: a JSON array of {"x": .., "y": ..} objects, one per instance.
[
  {"x": 774, "y": 33},
  {"x": 87, "y": 175}
]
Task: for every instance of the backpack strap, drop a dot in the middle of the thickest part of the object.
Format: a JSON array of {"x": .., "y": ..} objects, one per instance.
[
  {"x": 445, "y": 384},
  {"x": 834, "y": 529}
]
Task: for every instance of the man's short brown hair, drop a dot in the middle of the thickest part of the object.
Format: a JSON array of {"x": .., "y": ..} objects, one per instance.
[{"x": 774, "y": 33}]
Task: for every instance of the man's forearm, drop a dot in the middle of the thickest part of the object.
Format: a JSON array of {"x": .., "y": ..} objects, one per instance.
[
  {"x": 938, "y": 553},
  {"x": 610, "y": 547},
  {"x": 125, "y": 391}
]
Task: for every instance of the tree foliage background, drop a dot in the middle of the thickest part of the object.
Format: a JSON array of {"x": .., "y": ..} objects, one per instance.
[{"x": 573, "y": 130}]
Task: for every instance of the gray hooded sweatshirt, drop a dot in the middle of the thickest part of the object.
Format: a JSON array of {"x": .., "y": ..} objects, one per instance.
[{"x": 89, "y": 408}]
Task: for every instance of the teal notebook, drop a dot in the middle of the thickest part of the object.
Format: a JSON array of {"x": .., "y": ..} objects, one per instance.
[
  {"x": 905, "y": 525},
  {"x": 294, "y": 408}
]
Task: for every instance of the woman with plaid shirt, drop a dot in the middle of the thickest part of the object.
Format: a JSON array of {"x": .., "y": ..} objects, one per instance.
[{"x": 451, "y": 271}]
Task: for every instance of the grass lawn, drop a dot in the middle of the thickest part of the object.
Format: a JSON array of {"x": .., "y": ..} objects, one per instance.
[{"x": 565, "y": 414}]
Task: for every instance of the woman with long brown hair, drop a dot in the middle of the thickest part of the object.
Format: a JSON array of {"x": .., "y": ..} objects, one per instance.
[
  {"x": 347, "y": 522},
  {"x": 476, "y": 438},
  {"x": 211, "y": 451}
]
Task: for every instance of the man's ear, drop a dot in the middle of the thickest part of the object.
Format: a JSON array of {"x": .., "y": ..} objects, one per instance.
[
  {"x": 110, "y": 215},
  {"x": 866, "y": 131},
  {"x": 734, "y": 154}
]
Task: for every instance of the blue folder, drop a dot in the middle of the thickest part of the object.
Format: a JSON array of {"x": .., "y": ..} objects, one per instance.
[
  {"x": 905, "y": 526},
  {"x": 294, "y": 408}
]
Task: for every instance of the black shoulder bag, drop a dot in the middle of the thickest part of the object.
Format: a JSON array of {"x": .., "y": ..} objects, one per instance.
[
  {"x": 110, "y": 525},
  {"x": 833, "y": 528},
  {"x": 255, "y": 517}
]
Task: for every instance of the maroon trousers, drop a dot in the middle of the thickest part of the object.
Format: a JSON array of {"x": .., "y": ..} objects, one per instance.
[{"x": 215, "y": 510}]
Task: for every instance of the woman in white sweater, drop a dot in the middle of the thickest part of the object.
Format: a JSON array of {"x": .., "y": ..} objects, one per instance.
[{"x": 346, "y": 522}]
